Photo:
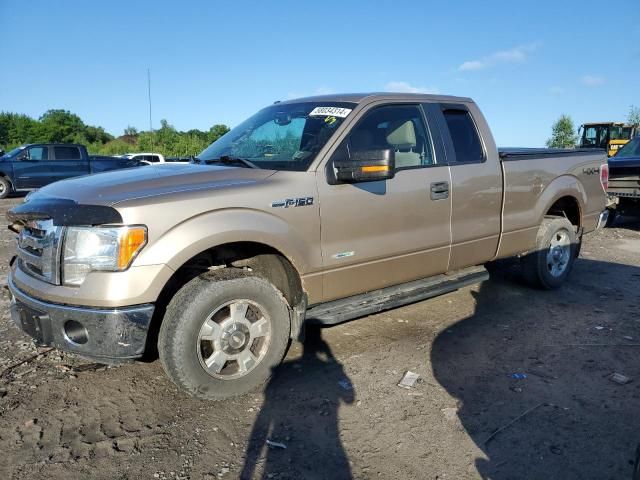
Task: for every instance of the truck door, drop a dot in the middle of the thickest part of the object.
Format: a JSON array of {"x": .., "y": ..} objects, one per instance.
[
  {"x": 377, "y": 234},
  {"x": 67, "y": 162},
  {"x": 31, "y": 168},
  {"x": 476, "y": 184}
]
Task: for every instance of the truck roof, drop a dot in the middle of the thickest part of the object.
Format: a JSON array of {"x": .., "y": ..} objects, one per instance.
[{"x": 360, "y": 97}]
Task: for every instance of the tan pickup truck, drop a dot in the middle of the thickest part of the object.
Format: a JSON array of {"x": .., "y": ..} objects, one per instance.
[{"x": 318, "y": 210}]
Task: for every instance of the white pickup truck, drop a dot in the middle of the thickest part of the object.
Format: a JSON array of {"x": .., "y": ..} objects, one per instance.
[{"x": 151, "y": 158}]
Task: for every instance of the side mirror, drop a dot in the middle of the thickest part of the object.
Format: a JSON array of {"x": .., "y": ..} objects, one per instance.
[{"x": 366, "y": 166}]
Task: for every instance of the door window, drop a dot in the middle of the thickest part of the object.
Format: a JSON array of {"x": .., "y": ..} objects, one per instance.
[
  {"x": 398, "y": 127},
  {"x": 38, "y": 153},
  {"x": 464, "y": 135},
  {"x": 66, "y": 153}
]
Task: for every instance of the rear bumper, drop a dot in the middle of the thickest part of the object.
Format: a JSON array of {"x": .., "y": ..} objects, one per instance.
[
  {"x": 602, "y": 220},
  {"x": 106, "y": 335}
]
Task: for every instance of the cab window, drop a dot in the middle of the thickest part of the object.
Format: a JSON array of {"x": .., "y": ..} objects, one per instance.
[
  {"x": 464, "y": 135},
  {"x": 36, "y": 153},
  {"x": 397, "y": 127},
  {"x": 66, "y": 153}
]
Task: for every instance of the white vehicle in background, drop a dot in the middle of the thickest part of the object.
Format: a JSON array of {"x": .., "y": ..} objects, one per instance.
[{"x": 153, "y": 158}]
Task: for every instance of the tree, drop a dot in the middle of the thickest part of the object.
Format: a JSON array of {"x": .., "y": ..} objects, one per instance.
[
  {"x": 216, "y": 132},
  {"x": 131, "y": 131},
  {"x": 563, "y": 133},
  {"x": 633, "y": 117},
  {"x": 60, "y": 126}
]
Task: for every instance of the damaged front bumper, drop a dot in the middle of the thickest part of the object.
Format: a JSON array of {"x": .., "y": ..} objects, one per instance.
[{"x": 105, "y": 335}]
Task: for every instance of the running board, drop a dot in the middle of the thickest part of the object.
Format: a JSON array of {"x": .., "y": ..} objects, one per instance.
[{"x": 338, "y": 311}]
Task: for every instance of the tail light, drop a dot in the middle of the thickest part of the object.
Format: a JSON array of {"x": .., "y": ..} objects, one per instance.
[{"x": 604, "y": 176}]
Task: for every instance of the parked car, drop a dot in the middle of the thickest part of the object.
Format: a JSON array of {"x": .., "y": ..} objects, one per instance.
[
  {"x": 624, "y": 181},
  {"x": 314, "y": 210},
  {"x": 35, "y": 165},
  {"x": 153, "y": 158}
]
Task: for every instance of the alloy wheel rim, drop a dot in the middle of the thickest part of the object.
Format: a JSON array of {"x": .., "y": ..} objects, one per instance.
[
  {"x": 234, "y": 339},
  {"x": 559, "y": 253}
]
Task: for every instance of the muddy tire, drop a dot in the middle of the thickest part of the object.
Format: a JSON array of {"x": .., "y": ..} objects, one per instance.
[
  {"x": 5, "y": 187},
  {"x": 223, "y": 337},
  {"x": 556, "y": 245}
]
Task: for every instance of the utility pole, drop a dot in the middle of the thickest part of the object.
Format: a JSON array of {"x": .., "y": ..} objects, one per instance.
[{"x": 149, "y": 92}]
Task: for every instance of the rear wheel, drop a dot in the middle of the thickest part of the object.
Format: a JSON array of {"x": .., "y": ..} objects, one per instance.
[
  {"x": 549, "y": 266},
  {"x": 221, "y": 338}
]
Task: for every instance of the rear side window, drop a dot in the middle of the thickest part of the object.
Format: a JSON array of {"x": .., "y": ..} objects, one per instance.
[
  {"x": 464, "y": 135},
  {"x": 154, "y": 158},
  {"x": 66, "y": 153}
]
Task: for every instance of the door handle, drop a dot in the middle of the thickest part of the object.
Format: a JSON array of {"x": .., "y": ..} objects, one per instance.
[{"x": 439, "y": 190}]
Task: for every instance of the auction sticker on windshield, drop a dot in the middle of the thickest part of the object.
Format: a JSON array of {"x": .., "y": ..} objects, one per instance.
[{"x": 333, "y": 111}]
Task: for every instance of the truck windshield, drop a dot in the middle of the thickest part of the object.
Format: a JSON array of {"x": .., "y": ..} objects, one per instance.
[
  {"x": 14, "y": 151},
  {"x": 619, "y": 132},
  {"x": 280, "y": 137},
  {"x": 631, "y": 149}
]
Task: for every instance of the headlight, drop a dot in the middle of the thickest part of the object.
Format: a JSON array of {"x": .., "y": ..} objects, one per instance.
[{"x": 89, "y": 249}]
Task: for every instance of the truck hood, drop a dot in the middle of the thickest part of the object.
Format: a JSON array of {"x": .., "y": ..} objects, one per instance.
[{"x": 116, "y": 186}]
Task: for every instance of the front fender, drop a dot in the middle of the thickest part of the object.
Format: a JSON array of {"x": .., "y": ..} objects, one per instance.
[{"x": 208, "y": 230}]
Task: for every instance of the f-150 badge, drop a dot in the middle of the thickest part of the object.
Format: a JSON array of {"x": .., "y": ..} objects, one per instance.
[{"x": 293, "y": 202}]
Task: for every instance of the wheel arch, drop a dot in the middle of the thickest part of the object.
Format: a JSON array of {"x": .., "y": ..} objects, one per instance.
[
  {"x": 564, "y": 196},
  {"x": 232, "y": 260}
]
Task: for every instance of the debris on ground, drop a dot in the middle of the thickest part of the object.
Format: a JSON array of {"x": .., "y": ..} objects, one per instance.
[
  {"x": 409, "y": 379},
  {"x": 273, "y": 444},
  {"x": 519, "y": 376},
  {"x": 450, "y": 413},
  {"x": 345, "y": 384},
  {"x": 508, "y": 424},
  {"x": 619, "y": 378}
]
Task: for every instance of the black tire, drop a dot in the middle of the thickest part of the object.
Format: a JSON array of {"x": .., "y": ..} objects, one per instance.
[
  {"x": 180, "y": 349},
  {"x": 536, "y": 268},
  {"x": 5, "y": 187}
]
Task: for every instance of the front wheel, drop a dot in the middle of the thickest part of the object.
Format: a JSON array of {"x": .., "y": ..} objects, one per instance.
[
  {"x": 5, "y": 187},
  {"x": 550, "y": 264},
  {"x": 222, "y": 338}
]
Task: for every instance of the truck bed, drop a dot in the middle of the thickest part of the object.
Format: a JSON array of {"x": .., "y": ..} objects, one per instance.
[
  {"x": 528, "y": 190},
  {"x": 510, "y": 154}
]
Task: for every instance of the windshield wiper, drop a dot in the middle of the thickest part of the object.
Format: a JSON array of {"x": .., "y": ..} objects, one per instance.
[{"x": 229, "y": 160}]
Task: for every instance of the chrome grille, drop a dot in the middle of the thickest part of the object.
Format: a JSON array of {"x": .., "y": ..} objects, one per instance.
[{"x": 39, "y": 245}]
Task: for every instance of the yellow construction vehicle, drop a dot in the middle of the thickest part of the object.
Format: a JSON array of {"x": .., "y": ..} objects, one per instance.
[{"x": 608, "y": 135}]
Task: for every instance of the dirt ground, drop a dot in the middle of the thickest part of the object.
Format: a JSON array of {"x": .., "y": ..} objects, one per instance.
[{"x": 335, "y": 403}]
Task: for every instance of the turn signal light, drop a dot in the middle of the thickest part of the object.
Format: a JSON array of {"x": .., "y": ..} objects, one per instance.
[
  {"x": 375, "y": 168},
  {"x": 132, "y": 240}
]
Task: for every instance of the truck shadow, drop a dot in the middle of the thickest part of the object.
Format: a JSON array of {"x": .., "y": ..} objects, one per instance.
[
  {"x": 628, "y": 222},
  {"x": 302, "y": 416},
  {"x": 566, "y": 418}
]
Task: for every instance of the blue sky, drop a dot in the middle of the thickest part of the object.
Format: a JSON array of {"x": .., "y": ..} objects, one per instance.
[{"x": 218, "y": 62}]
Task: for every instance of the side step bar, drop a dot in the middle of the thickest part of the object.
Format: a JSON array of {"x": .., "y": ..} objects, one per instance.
[{"x": 338, "y": 311}]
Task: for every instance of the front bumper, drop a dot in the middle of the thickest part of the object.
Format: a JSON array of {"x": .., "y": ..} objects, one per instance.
[{"x": 108, "y": 335}]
